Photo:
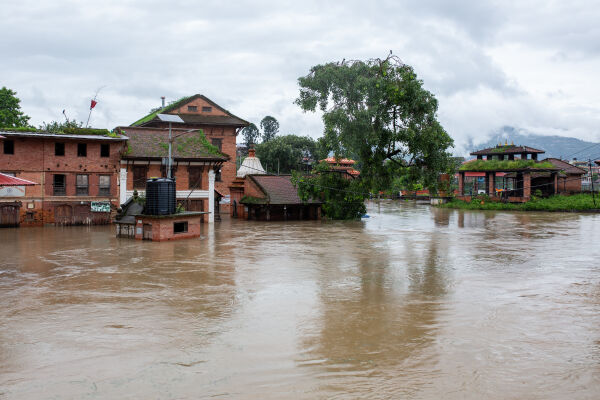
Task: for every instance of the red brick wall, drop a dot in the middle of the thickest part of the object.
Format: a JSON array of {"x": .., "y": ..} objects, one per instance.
[{"x": 34, "y": 159}]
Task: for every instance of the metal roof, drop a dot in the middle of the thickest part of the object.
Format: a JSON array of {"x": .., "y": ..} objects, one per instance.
[
  {"x": 7, "y": 180},
  {"x": 62, "y": 136}
]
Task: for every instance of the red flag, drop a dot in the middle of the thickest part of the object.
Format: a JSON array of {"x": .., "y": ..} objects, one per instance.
[{"x": 93, "y": 104}]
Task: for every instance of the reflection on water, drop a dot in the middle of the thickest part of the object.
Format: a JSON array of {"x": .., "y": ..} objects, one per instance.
[{"x": 414, "y": 302}]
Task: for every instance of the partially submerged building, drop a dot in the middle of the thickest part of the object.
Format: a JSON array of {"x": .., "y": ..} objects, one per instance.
[
  {"x": 77, "y": 175},
  {"x": 275, "y": 198},
  {"x": 510, "y": 171},
  {"x": 220, "y": 127},
  {"x": 196, "y": 163},
  {"x": 259, "y": 196}
]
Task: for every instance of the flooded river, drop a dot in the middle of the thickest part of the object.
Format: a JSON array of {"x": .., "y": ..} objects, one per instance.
[{"x": 413, "y": 302}]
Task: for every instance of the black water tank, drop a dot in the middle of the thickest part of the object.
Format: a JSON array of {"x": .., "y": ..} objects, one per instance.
[{"x": 160, "y": 196}]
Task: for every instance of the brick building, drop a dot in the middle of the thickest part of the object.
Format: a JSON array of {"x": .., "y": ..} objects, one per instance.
[
  {"x": 76, "y": 176},
  {"x": 219, "y": 126},
  {"x": 195, "y": 162},
  {"x": 570, "y": 177}
]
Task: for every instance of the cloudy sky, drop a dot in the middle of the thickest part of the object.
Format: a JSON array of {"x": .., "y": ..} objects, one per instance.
[{"x": 528, "y": 64}]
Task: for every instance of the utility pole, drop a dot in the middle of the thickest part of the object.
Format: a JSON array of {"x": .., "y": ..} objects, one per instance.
[{"x": 592, "y": 180}]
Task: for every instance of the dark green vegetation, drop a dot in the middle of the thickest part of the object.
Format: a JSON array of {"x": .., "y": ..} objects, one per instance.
[
  {"x": 11, "y": 115},
  {"x": 270, "y": 127},
  {"x": 504, "y": 165},
  {"x": 342, "y": 198},
  {"x": 68, "y": 128},
  {"x": 250, "y": 134},
  {"x": 578, "y": 202},
  {"x": 378, "y": 113},
  {"x": 286, "y": 153}
]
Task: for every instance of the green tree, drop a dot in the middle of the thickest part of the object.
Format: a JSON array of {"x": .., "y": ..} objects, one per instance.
[
  {"x": 251, "y": 134},
  {"x": 287, "y": 153},
  {"x": 11, "y": 115},
  {"x": 378, "y": 111},
  {"x": 270, "y": 127},
  {"x": 342, "y": 197}
]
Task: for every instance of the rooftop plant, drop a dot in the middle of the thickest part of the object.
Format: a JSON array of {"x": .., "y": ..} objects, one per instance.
[{"x": 494, "y": 165}]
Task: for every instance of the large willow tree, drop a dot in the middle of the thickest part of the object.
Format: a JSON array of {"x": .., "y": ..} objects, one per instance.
[{"x": 378, "y": 111}]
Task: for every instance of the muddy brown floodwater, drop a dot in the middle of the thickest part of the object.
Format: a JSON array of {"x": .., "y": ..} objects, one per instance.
[{"x": 414, "y": 302}]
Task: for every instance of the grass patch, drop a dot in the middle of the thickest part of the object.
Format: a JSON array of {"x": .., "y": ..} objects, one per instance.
[
  {"x": 493, "y": 165},
  {"x": 577, "y": 202}
]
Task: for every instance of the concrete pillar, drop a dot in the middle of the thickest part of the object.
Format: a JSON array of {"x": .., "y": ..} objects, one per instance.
[
  {"x": 211, "y": 196},
  {"x": 461, "y": 183},
  {"x": 123, "y": 186},
  {"x": 527, "y": 185}
]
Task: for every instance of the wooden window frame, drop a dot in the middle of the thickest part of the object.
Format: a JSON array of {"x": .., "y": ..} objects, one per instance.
[
  {"x": 81, "y": 149},
  {"x": 57, "y": 147},
  {"x": 82, "y": 190},
  {"x": 103, "y": 147},
  {"x": 103, "y": 190},
  {"x": 9, "y": 146},
  {"x": 58, "y": 189}
]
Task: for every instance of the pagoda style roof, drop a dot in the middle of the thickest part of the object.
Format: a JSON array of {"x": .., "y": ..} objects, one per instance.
[
  {"x": 200, "y": 119},
  {"x": 153, "y": 143},
  {"x": 507, "y": 149}
]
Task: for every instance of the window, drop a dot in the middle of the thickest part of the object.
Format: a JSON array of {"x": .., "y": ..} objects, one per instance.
[
  {"x": 59, "y": 149},
  {"x": 29, "y": 216},
  {"x": 58, "y": 184},
  {"x": 194, "y": 177},
  {"x": 206, "y": 109},
  {"x": 82, "y": 185},
  {"x": 218, "y": 175},
  {"x": 193, "y": 108},
  {"x": 9, "y": 146},
  {"x": 104, "y": 185},
  {"x": 217, "y": 142},
  {"x": 180, "y": 227},
  {"x": 104, "y": 150},
  {"x": 139, "y": 176},
  {"x": 81, "y": 150}
]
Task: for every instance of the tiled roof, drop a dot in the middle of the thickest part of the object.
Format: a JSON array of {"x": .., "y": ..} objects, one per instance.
[
  {"x": 565, "y": 166},
  {"x": 154, "y": 143},
  {"x": 279, "y": 189},
  {"x": 229, "y": 119},
  {"x": 508, "y": 149}
]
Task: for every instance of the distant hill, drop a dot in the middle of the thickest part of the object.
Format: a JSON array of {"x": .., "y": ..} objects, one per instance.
[{"x": 555, "y": 146}]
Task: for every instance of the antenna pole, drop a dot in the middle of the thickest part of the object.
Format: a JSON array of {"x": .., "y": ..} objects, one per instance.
[{"x": 170, "y": 146}]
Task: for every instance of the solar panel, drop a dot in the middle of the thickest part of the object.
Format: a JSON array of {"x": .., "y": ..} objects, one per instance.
[{"x": 169, "y": 118}]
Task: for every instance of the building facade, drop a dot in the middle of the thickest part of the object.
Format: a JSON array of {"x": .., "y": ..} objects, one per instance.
[
  {"x": 219, "y": 126},
  {"x": 76, "y": 176},
  {"x": 195, "y": 166}
]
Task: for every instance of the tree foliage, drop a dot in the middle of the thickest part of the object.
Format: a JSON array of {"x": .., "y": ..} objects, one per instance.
[
  {"x": 378, "y": 111},
  {"x": 289, "y": 152},
  {"x": 11, "y": 115},
  {"x": 251, "y": 135},
  {"x": 343, "y": 197},
  {"x": 269, "y": 126}
]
